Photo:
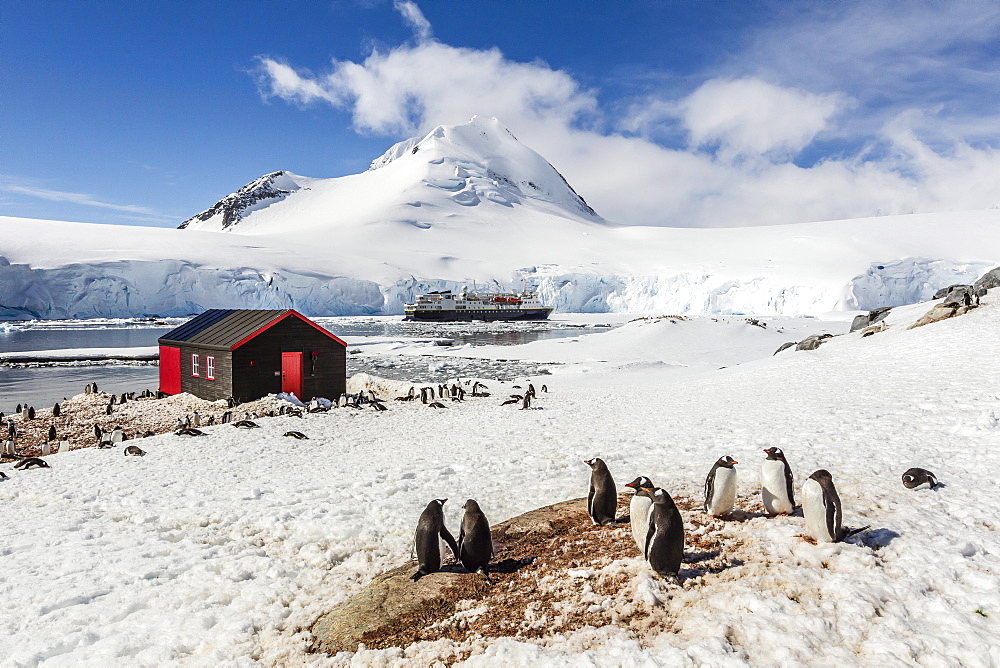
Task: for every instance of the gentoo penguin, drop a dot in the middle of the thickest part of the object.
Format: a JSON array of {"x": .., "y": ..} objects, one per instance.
[
  {"x": 436, "y": 404},
  {"x": 196, "y": 420},
  {"x": 917, "y": 478},
  {"x": 602, "y": 498},
  {"x": 117, "y": 435},
  {"x": 426, "y": 540},
  {"x": 97, "y": 431},
  {"x": 109, "y": 409},
  {"x": 545, "y": 388},
  {"x": 526, "y": 402},
  {"x": 776, "y": 483},
  {"x": 296, "y": 434},
  {"x": 52, "y": 432},
  {"x": 17, "y": 409},
  {"x": 189, "y": 432},
  {"x": 246, "y": 424},
  {"x": 134, "y": 451},
  {"x": 379, "y": 406},
  {"x": 821, "y": 508},
  {"x": 32, "y": 462},
  {"x": 720, "y": 487},
  {"x": 638, "y": 511},
  {"x": 56, "y": 410},
  {"x": 3, "y": 476},
  {"x": 664, "y": 547},
  {"x": 475, "y": 544},
  {"x": 517, "y": 398},
  {"x": 31, "y": 412}
]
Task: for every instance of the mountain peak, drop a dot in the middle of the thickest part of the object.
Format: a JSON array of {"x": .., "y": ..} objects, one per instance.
[{"x": 445, "y": 174}]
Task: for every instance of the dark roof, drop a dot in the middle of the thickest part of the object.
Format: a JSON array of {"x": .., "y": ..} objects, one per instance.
[{"x": 229, "y": 328}]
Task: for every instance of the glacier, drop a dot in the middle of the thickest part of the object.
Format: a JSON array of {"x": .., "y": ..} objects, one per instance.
[{"x": 469, "y": 205}]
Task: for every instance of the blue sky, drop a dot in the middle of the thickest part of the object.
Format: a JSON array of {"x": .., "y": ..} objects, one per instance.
[{"x": 678, "y": 113}]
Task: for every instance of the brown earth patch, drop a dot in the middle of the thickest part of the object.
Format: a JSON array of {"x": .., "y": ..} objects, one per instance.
[{"x": 555, "y": 572}]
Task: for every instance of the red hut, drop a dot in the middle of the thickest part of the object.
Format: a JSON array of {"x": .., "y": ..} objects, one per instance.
[{"x": 249, "y": 353}]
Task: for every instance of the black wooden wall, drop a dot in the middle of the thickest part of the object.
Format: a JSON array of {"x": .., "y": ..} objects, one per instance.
[
  {"x": 326, "y": 377},
  {"x": 202, "y": 387}
]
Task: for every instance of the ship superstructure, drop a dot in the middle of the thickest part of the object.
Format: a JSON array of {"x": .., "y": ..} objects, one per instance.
[{"x": 446, "y": 306}]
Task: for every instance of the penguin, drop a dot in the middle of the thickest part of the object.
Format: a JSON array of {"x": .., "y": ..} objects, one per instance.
[
  {"x": 513, "y": 400},
  {"x": 531, "y": 389},
  {"x": 109, "y": 409},
  {"x": 720, "y": 487},
  {"x": 436, "y": 404},
  {"x": 917, "y": 478},
  {"x": 52, "y": 433},
  {"x": 32, "y": 462},
  {"x": 379, "y": 406},
  {"x": 3, "y": 476},
  {"x": 31, "y": 412},
  {"x": 475, "y": 544},
  {"x": 821, "y": 508},
  {"x": 638, "y": 511},
  {"x": 602, "y": 498},
  {"x": 189, "y": 432},
  {"x": 94, "y": 386},
  {"x": 545, "y": 388},
  {"x": 664, "y": 546},
  {"x": 776, "y": 489},
  {"x": 196, "y": 420},
  {"x": 148, "y": 434},
  {"x": 56, "y": 410},
  {"x": 117, "y": 435},
  {"x": 211, "y": 420},
  {"x": 526, "y": 402},
  {"x": 123, "y": 399},
  {"x": 17, "y": 409},
  {"x": 114, "y": 400},
  {"x": 426, "y": 540},
  {"x": 11, "y": 430},
  {"x": 97, "y": 432},
  {"x": 296, "y": 434},
  {"x": 227, "y": 417},
  {"x": 246, "y": 424},
  {"x": 134, "y": 451}
]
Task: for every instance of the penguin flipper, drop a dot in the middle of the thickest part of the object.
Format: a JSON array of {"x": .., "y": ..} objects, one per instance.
[
  {"x": 650, "y": 532},
  {"x": 452, "y": 545}
]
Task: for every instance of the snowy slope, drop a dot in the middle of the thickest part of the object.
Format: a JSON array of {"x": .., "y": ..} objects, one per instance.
[
  {"x": 473, "y": 204},
  {"x": 222, "y": 550}
]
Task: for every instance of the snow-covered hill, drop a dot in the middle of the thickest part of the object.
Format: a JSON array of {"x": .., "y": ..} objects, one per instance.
[
  {"x": 471, "y": 203},
  {"x": 226, "y": 549}
]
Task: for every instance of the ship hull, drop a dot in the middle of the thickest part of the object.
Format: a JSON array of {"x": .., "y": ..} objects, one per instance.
[{"x": 486, "y": 315}]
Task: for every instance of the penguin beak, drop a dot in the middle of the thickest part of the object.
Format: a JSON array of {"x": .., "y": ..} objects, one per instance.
[{"x": 735, "y": 462}]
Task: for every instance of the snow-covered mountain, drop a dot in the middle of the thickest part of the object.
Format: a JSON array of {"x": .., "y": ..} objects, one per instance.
[
  {"x": 471, "y": 203},
  {"x": 472, "y": 173}
]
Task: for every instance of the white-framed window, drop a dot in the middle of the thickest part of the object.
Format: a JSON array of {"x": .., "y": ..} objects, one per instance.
[
  {"x": 195, "y": 365},
  {"x": 210, "y": 368}
]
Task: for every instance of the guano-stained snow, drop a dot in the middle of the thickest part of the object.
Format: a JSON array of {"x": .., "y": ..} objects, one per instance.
[{"x": 224, "y": 549}]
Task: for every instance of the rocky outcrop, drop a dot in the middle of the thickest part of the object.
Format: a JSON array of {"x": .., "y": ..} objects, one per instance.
[
  {"x": 957, "y": 288},
  {"x": 393, "y": 601},
  {"x": 988, "y": 281},
  {"x": 812, "y": 342},
  {"x": 941, "y": 312},
  {"x": 784, "y": 346},
  {"x": 870, "y": 318}
]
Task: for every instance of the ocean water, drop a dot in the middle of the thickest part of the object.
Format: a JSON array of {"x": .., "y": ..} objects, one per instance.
[{"x": 43, "y": 384}]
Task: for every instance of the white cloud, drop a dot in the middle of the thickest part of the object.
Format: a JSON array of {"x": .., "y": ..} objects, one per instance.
[
  {"x": 78, "y": 198},
  {"x": 414, "y": 18},
  {"x": 742, "y": 129},
  {"x": 748, "y": 116}
]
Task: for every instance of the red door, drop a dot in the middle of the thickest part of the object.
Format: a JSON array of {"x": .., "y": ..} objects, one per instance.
[
  {"x": 291, "y": 373},
  {"x": 170, "y": 370}
]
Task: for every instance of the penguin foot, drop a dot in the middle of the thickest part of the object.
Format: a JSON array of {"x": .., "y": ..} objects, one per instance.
[{"x": 419, "y": 574}]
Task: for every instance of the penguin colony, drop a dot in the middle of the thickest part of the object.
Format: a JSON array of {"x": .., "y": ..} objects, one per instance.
[{"x": 655, "y": 521}]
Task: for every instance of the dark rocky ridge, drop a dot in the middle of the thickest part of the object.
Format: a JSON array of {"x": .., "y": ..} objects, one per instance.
[{"x": 232, "y": 206}]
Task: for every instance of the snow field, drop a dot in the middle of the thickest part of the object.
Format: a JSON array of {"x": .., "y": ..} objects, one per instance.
[{"x": 223, "y": 549}]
